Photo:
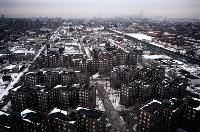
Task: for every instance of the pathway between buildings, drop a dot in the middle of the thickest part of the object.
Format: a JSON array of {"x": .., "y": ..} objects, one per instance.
[{"x": 111, "y": 112}]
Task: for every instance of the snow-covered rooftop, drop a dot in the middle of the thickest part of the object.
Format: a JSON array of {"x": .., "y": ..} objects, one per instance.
[
  {"x": 71, "y": 50},
  {"x": 81, "y": 108},
  {"x": 198, "y": 107},
  {"x": 55, "y": 110},
  {"x": 20, "y": 50},
  {"x": 10, "y": 67},
  {"x": 152, "y": 106},
  {"x": 26, "y": 111},
  {"x": 95, "y": 75},
  {"x": 3, "y": 113},
  {"x": 15, "y": 89}
]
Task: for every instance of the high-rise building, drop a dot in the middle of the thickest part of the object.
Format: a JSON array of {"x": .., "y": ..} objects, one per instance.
[
  {"x": 91, "y": 120},
  {"x": 22, "y": 98},
  {"x": 33, "y": 121},
  {"x": 149, "y": 115},
  {"x": 87, "y": 97}
]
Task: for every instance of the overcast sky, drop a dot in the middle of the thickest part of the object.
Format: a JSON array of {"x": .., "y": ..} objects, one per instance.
[{"x": 103, "y": 8}]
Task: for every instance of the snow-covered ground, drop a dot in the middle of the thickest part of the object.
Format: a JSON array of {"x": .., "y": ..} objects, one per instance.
[
  {"x": 162, "y": 46},
  {"x": 24, "y": 51},
  {"x": 193, "y": 69},
  {"x": 114, "y": 96},
  {"x": 5, "y": 92},
  {"x": 20, "y": 50},
  {"x": 39, "y": 52},
  {"x": 7, "y": 107},
  {"x": 87, "y": 52},
  {"x": 140, "y": 36},
  {"x": 195, "y": 90},
  {"x": 117, "y": 31},
  {"x": 156, "y": 57},
  {"x": 117, "y": 45},
  {"x": 15, "y": 78},
  {"x": 99, "y": 103},
  {"x": 71, "y": 50},
  {"x": 9, "y": 67},
  {"x": 2, "y": 85},
  {"x": 144, "y": 37}
]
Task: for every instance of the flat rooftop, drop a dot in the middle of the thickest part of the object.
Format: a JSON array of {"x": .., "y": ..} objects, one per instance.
[
  {"x": 5, "y": 120},
  {"x": 32, "y": 116},
  {"x": 187, "y": 74},
  {"x": 95, "y": 114},
  {"x": 172, "y": 104},
  {"x": 194, "y": 103},
  {"x": 87, "y": 88},
  {"x": 152, "y": 107},
  {"x": 71, "y": 117}
]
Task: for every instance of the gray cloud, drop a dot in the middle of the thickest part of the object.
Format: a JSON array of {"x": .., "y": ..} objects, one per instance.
[{"x": 90, "y": 8}]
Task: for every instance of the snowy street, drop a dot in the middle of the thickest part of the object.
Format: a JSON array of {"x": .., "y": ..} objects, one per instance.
[{"x": 110, "y": 109}]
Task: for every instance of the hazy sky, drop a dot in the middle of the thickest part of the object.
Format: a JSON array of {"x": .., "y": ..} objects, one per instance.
[{"x": 104, "y": 8}]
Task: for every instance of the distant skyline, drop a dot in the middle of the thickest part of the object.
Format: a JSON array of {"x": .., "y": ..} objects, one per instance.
[{"x": 99, "y": 8}]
